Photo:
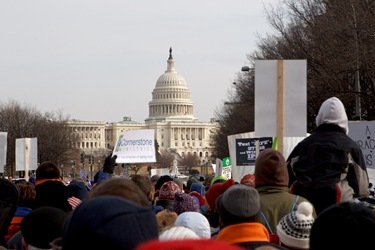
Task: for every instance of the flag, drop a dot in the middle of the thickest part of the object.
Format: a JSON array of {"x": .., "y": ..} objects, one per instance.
[{"x": 226, "y": 162}]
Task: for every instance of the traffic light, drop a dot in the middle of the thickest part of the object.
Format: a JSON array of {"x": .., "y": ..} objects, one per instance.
[
  {"x": 82, "y": 157},
  {"x": 91, "y": 159}
]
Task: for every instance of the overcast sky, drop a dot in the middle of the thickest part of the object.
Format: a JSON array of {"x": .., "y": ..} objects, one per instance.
[{"x": 100, "y": 60}]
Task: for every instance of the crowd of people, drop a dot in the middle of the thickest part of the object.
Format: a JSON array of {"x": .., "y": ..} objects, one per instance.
[{"x": 300, "y": 202}]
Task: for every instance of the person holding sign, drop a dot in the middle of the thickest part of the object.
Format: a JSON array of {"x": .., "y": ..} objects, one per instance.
[{"x": 328, "y": 167}]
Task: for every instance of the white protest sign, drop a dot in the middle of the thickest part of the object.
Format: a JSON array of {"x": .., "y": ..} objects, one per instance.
[
  {"x": 363, "y": 133},
  {"x": 135, "y": 146},
  {"x": 3, "y": 150},
  {"x": 292, "y": 91},
  {"x": 26, "y": 154}
]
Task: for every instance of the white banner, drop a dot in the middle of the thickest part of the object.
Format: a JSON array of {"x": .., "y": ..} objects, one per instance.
[
  {"x": 135, "y": 146},
  {"x": 26, "y": 154},
  {"x": 3, "y": 150}
]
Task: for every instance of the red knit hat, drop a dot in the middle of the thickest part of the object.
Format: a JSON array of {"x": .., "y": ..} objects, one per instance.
[
  {"x": 216, "y": 190},
  {"x": 248, "y": 180},
  {"x": 189, "y": 244},
  {"x": 184, "y": 202},
  {"x": 200, "y": 197},
  {"x": 167, "y": 190}
]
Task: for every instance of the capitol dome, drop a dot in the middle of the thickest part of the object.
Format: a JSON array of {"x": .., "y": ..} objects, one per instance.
[{"x": 170, "y": 97}]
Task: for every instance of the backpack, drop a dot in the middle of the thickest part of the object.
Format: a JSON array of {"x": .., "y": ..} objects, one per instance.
[
  {"x": 318, "y": 173},
  {"x": 274, "y": 237},
  {"x": 9, "y": 196}
]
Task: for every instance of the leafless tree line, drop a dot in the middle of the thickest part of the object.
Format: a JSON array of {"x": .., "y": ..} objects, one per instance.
[{"x": 337, "y": 38}]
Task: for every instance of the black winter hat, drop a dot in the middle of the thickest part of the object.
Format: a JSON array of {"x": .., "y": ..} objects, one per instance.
[
  {"x": 108, "y": 222},
  {"x": 42, "y": 225}
]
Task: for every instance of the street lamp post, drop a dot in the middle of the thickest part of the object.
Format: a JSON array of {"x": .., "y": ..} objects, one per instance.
[{"x": 73, "y": 168}]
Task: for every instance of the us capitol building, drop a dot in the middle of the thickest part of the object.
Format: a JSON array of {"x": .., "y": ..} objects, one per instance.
[{"x": 170, "y": 115}]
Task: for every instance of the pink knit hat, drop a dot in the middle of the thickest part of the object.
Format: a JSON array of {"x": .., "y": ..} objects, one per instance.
[
  {"x": 167, "y": 190},
  {"x": 185, "y": 202}
]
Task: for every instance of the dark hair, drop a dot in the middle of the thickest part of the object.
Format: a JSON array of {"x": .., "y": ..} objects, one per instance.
[
  {"x": 144, "y": 183},
  {"x": 347, "y": 225},
  {"x": 120, "y": 187},
  {"x": 47, "y": 170},
  {"x": 27, "y": 193}
]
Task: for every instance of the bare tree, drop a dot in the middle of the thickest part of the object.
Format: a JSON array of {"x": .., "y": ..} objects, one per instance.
[
  {"x": 189, "y": 160},
  {"x": 165, "y": 159},
  {"x": 54, "y": 137}
]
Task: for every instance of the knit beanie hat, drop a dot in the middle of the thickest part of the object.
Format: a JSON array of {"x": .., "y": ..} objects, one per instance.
[
  {"x": 240, "y": 201},
  {"x": 184, "y": 202},
  {"x": 216, "y": 190},
  {"x": 196, "y": 222},
  {"x": 271, "y": 169},
  {"x": 294, "y": 228},
  {"x": 109, "y": 222},
  {"x": 198, "y": 187},
  {"x": 248, "y": 180},
  {"x": 168, "y": 190},
  {"x": 178, "y": 233},
  {"x": 199, "y": 197},
  {"x": 161, "y": 180},
  {"x": 332, "y": 111},
  {"x": 188, "y": 244},
  {"x": 218, "y": 178},
  {"x": 42, "y": 225}
]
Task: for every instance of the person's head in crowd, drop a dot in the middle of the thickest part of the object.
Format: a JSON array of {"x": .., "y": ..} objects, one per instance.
[
  {"x": 108, "y": 222},
  {"x": 77, "y": 188},
  {"x": 177, "y": 233},
  {"x": 168, "y": 190},
  {"x": 41, "y": 226},
  {"x": 50, "y": 189},
  {"x": 218, "y": 179},
  {"x": 196, "y": 222},
  {"x": 166, "y": 195},
  {"x": 207, "y": 182},
  {"x": 294, "y": 228},
  {"x": 348, "y": 225},
  {"x": 47, "y": 171},
  {"x": 184, "y": 202},
  {"x": 179, "y": 183},
  {"x": 143, "y": 183},
  {"x": 190, "y": 181},
  {"x": 27, "y": 193},
  {"x": 198, "y": 187},
  {"x": 120, "y": 187},
  {"x": 216, "y": 190},
  {"x": 187, "y": 244},
  {"x": 332, "y": 111},
  {"x": 271, "y": 169},
  {"x": 166, "y": 218},
  {"x": 248, "y": 180},
  {"x": 161, "y": 180},
  {"x": 200, "y": 199},
  {"x": 154, "y": 179},
  {"x": 238, "y": 204}
]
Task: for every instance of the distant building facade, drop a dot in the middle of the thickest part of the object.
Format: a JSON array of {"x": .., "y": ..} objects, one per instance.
[{"x": 170, "y": 115}]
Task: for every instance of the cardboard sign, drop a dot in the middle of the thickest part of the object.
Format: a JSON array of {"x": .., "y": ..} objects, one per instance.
[
  {"x": 246, "y": 149},
  {"x": 363, "y": 133}
]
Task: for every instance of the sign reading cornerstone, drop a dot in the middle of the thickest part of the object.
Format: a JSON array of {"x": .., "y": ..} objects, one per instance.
[{"x": 246, "y": 149}]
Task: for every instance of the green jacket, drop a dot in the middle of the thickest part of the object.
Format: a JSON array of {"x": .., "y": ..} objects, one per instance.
[{"x": 275, "y": 203}]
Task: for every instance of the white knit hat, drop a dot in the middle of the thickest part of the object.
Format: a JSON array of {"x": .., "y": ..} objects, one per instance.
[
  {"x": 196, "y": 222},
  {"x": 178, "y": 233},
  {"x": 332, "y": 111},
  {"x": 294, "y": 228}
]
